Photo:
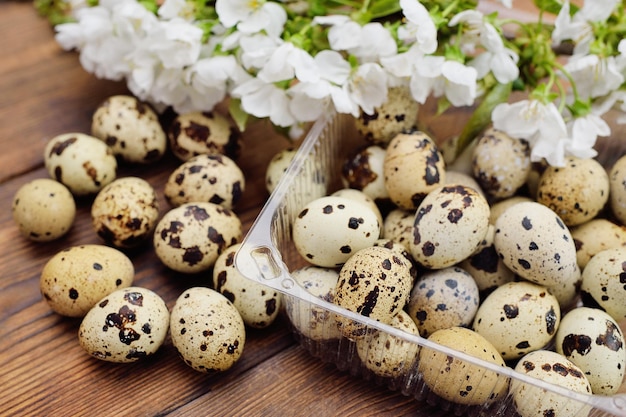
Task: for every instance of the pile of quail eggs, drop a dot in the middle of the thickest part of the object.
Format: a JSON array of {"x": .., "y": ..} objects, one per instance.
[
  {"x": 517, "y": 263},
  {"x": 199, "y": 233}
]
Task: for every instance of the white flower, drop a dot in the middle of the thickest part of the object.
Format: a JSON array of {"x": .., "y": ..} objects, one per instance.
[
  {"x": 420, "y": 27},
  {"x": 286, "y": 62},
  {"x": 594, "y": 76},
  {"x": 583, "y": 133},
  {"x": 252, "y": 16},
  {"x": 578, "y": 28},
  {"x": 368, "y": 87},
  {"x": 496, "y": 58},
  {"x": 262, "y": 99},
  {"x": 176, "y": 43},
  {"x": 177, "y": 8},
  {"x": 436, "y": 75},
  {"x": 540, "y": 124}
]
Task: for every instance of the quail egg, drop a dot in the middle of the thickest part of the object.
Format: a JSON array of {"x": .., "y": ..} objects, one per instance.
[
  {"x": 43, "y": 210},
  {"x": 127, "y": 325},
  {"x": 207, "y": 330}
]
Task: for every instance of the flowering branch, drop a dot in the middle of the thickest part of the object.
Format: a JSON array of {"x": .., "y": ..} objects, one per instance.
[{"x": 289, "y": 60}]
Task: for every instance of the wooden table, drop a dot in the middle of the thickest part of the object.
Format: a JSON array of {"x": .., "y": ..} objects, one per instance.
[{"x": 43, "y": 370}]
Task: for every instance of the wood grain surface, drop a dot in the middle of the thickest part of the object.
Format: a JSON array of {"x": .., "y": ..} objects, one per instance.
[{"x": 43, "y": 369}]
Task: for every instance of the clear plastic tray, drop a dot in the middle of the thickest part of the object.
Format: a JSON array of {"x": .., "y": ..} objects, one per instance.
[{"x": 267, "y": 255}]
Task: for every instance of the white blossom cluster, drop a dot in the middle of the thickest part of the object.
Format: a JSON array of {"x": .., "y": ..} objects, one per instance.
[{"x": 168, "y": 59}]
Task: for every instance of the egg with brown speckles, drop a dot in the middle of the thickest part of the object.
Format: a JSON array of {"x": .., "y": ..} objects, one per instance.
[
  {"x": 43, "y": 210},
  {"x": 374, "y": 282},
  {"x": 81, "y": 162},
  {"x": 190, "y": 237},
  {"x": 277, "y": 166},
  {"x": 595, "y": 236},
  {"x": 125, "y": 212},
  {"x": 363, "y": 170},
  {"x": 577, "y": 192},
  {"x": 398, "y": 226},
  {"x": 594, "y": 342},
  {"x": 604, "y": 282},
  {"x": 258, "y": 304},
  {"x": 500, "y": 163},
  {"x": 76, "y": 278},
  {"x": 443, "y": 298},
  {"x": 207, "y": 330},
  {"x": 127, "y": 325},
  {"x": 533, "y": 401},
  {"x": 413, "y": 167},
  {"x": 131, "y": 128},
  {"x": 517, "y": 318},
  {"x": 387, "y": 355},
  {"x": 449, "y": 225},
  {"x": 348, "y": 226},
  {"x": 198, "y": 133},
  {"x": 361, "y": 197},
  {"x": 617, "y": 189},
  {"x": 214, "y": 178},
  {"x": 397, "y": 114},
  {"x": 486, "y": 267},
  {"x": 533, "y": 242},
  {"x": 316, "y": 323},
  {"x": 457, "y": 380}
]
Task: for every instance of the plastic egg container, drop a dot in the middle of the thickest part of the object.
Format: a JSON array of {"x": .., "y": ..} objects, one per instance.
[{"x": 268, "y": 255}]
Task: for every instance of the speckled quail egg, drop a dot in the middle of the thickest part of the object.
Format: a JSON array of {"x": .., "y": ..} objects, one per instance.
[
  {"x": 533, "y": 401},
  {"x": 459, "y": 381},
  {"x": 375, "y": 282},
  {"x": 214, "y": 178},
  {"x": 190, "y": 237},
  {"x": 361, "y": 197},
  {"x": 444, "y": 298},
  {"x": 125, "y": 326},
  {"x": 277, "y": 166},
  {"x": 363, "y": 170},
  {"x": 76, "y": 278},
  {"x": 617, "y": 189},
  {"x": 207, "y": 330},
  {"x": 398, "y": 226},
  {"x": 397, "y": 114},
  {"x": 198, "y": 133},
  {"x": 131, "y": 128},
  {"x": 401, "y": 250},
  {"x": 486, "y": 267},
  {"x": 533, "y": 242},
  {"x": 125, "y": 212},
  {"x": 316, "y": 323},
  {"x": 387, "y": 355},
  {"x": 329, "y": 230},
  {"x": 43, "y": 210},
  {"x": 461, "y": 178},
  {"x": 593, "y": 341},
  {"x": 517, "y": 318},
  {"x": 413, "y": 167},
  {"x": 576, "y": 192},
  {"x": 500, "y": 163},
  {"x": 595, "y": 236},
  {"x": 81, "y": 162},
  {"x": 500, "y": 206},
  {"x": 604, "y": 282},
  {"x": 257, "y": 304},
  {"x": 449, "y": 225}
]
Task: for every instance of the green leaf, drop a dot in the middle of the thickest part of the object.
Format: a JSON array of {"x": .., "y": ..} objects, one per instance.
[
  {"x": 550, "y": 6},
  {"x": 481, "y": 117},
  {"x": 239, "y": 116}
]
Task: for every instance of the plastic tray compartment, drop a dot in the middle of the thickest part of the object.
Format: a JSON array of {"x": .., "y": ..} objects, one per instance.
[{"x": 267, "y": 255}]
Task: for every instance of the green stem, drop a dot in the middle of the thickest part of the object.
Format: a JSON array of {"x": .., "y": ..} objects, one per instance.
[{"x": 481, "y": 117}]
